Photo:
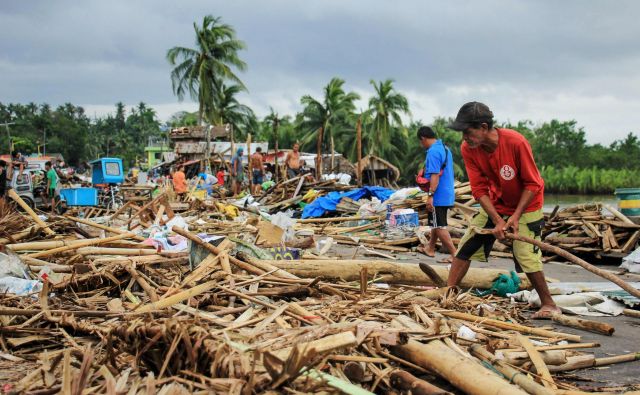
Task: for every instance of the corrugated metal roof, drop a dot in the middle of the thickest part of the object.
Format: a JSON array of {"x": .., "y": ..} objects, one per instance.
[{"x": 624, "y": 297}]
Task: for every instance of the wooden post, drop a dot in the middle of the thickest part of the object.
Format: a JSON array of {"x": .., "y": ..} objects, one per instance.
[
  {"x": 275, "y": 159},
  {"x": 333, "y": 163},
  {"x": 359, "y": 149},
  {"x": 13, "y": 195},
  {"x": 249, "y": 161},
  {"x": 319, "y": 157},
  {"x": 587, "y": 325}
]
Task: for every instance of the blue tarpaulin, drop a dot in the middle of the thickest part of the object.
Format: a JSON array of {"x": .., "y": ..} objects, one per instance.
[{"x": 328, "y": 203}]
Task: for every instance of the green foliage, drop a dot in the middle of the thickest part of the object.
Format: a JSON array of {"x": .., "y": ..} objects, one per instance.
[
  {"x": 593, "y": 180},
  {"x": 70, "y": 132},
  {"x": 334, "y": 113}
]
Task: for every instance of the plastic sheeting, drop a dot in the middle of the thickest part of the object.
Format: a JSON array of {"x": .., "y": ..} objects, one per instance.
[{"x": 328, "y": 203}]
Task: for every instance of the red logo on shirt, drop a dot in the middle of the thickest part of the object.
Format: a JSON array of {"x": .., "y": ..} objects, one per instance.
[{"x": 507, "y": 172}]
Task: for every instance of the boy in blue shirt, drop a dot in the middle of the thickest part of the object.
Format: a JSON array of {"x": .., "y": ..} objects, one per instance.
[{"x": 441, "y": 196}]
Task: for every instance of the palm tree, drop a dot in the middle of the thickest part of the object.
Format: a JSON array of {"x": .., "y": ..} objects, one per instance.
[
  {"x": 385, "y": 109},
  {"x": 327, "y": 119},
  {"x": 201, "y": 72},
  {"x": 228, "y": 110}
]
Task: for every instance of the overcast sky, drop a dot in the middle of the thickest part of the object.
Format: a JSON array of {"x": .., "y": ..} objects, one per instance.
[{"x": 534, "y": 60}]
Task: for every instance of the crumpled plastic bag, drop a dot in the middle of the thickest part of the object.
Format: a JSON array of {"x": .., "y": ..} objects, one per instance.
[
  {"x": 284, "y": 221},
  {"x": 178, "y": 221},
  {"x": 373, "y": 207},
  {"x": 11, "y": 265},
  {"x": 19, "y": 286}
]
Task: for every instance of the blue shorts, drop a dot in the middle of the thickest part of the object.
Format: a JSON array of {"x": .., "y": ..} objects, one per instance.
[{"x": 257, "y": 177}]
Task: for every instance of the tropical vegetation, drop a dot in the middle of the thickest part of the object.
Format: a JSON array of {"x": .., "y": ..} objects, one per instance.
[{"x": 209, "y": 75}]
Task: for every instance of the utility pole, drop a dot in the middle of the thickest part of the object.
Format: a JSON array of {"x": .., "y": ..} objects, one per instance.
[
  {"x": 275, "y": 133},
  {"x": 359, "y": 148}
]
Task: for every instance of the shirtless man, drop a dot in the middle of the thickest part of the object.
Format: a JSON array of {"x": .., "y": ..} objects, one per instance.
[
  {"x": 256, "y": 167},
  {"x": 293, "y": 161}
]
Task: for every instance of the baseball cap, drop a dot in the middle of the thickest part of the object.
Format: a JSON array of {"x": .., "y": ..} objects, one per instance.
[{"x": 471, "y": 113}]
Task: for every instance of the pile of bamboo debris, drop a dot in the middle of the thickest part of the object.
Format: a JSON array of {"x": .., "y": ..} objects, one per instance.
[{"x": 117, "y": 315}]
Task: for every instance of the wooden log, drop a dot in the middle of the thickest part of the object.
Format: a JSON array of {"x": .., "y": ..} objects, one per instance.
[
  {"x": 580, "y": 262},
  {"x": 103, "y": 227},
  {"x": 355, "y": 371},
  {"x": 463, "y": 373},
  {"x": 515, "y": 375},
  {"x": 115, "y": 251},
  {"x": 551, "y": 357},
  {"x": 396, "y": 272},
  {"x": 13, "y": 195},
  {"x": 575, "y": 362},
  {"x": 618, "y": 214},
  {"x": 510, "y": 326},
  {"x": 84, "y": 243},
  {"x": 538, "y": 362},
  {"x": 42, "y": 245},
  {"x": 580, "y": 323},
  {"x": 406, "y": 381}
]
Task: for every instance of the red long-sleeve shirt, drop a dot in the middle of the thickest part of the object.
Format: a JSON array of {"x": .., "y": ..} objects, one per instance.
[{"x": 505, "y": 173}]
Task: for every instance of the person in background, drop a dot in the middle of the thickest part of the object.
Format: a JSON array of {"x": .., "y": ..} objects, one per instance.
[
  {"x": 208, "y": 181},
  {"x": 506, "y": 182},
  {"x": 256, "y": 166},
  {"x": 52, "y": 183},
  {"x": 293, "y": 161},
  {"x": 220, "y": 176},
  {"x": 3, "y": 179},
  {"x": 19, "y": 162},
  {"x": 237, "y": 172},
  {"x": 180, "y": 181},
  {"x": 440, "y": 196}
]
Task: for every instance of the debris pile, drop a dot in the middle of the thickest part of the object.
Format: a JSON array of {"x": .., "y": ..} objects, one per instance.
[{"x": 146, "y": 300}]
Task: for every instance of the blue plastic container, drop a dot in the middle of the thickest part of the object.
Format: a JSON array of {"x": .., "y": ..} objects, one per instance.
[
  {"x": 80, "y": 196},
  {"x": 406, "y": 219}
]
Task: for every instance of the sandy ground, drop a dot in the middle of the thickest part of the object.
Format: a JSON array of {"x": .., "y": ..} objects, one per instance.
[{"x": 625, "y": 340}]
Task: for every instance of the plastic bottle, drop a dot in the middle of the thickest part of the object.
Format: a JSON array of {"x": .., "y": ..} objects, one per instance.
[{"x": 388, "y": 220}]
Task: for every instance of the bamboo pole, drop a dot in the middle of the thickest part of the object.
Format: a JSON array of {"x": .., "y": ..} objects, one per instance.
[
  {"x": 13, "y": 195},
  {"x": 115, "y": 251},
  {"x": 579, "y": 323},
  {"x": 463, "y": 373},
  {"x": 103, "y": 227},
  {"x": 580, "y": 262},
  {"x": 510, "y": 326},
  {"x": 516, "y": 376},
  {"x": 538, "y": 362},
  {"x": 408, "y": 382},
  {"x": 84, "y": 243}
]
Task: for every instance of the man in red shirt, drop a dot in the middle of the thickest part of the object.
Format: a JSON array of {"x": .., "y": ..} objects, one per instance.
[{"x": 506, "y": 182}]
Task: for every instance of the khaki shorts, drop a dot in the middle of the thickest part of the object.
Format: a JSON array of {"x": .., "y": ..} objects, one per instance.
[{"x": 474, "y": 246}]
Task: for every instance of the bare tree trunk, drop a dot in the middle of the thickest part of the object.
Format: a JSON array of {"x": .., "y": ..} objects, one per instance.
[{"x": 319, "y": 157}]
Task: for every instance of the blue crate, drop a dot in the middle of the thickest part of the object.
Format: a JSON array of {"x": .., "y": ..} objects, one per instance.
[{"x": 80, "y": 196}]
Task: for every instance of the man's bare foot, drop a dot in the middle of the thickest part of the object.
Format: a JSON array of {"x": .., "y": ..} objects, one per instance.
[
  {"x": 425, "y": 250},
  {"x": 546, "y": 312}
]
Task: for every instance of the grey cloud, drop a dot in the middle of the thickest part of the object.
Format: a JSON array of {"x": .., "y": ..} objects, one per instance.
[{"x": 97, "y": 52}]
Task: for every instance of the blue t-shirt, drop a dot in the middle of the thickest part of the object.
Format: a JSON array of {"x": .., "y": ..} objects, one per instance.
[{"x": 437, "y": 154}]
